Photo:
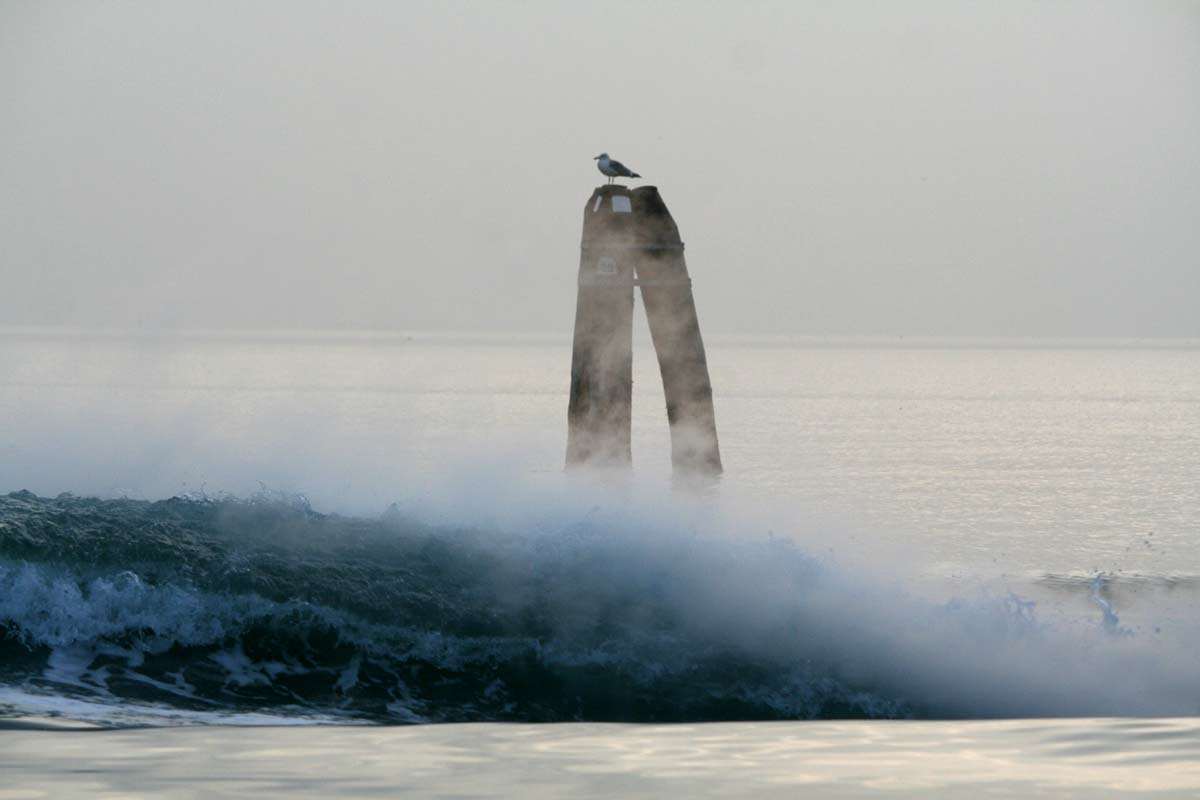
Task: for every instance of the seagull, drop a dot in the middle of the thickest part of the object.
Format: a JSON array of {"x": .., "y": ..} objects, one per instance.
[{"x": 613, "y": 168}]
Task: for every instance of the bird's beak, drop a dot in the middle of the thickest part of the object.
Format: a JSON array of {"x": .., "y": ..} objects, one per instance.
[{"x": 595, "y": 158}]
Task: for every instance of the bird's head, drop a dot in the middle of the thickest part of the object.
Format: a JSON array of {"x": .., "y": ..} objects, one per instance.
[{"x": 602, "y": 155}]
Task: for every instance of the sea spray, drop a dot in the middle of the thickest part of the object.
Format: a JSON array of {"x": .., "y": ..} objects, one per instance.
[{"x": 265, "y": 604}]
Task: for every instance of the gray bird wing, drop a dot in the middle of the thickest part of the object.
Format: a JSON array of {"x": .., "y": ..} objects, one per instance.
[{"x": 621, "y": 169}]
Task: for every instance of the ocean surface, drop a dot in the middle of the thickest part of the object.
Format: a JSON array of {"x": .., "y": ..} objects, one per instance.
[{"x": 930, "y": 567}]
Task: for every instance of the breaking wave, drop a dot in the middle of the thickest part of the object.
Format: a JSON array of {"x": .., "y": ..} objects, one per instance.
[{"x": 263, "y": 605}]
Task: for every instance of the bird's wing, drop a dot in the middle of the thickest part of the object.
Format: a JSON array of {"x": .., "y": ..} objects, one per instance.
[{"x": 620, "y": 168}]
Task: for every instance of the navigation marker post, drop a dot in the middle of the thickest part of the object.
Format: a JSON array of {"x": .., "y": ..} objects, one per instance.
[{"x": 630, "y": 239}]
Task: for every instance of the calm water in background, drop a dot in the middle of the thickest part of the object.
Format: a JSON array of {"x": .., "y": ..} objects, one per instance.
[{"x": 1044, "y": 463}]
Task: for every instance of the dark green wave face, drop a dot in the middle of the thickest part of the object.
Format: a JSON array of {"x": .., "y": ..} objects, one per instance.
[{"x": 265, "y": 604}]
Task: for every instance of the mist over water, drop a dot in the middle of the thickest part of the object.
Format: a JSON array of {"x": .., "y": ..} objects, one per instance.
[
  {"x": 1051, "y": 460},
  {"x": 591, "y": 607},
  {"x": 837, "y": 570}
]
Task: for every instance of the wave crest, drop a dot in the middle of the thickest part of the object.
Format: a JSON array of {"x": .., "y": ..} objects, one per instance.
[{"x": 266, "y": 604}]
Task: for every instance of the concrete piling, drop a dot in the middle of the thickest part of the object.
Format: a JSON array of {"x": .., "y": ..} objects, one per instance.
[
  {"x": 630, "y": 238},
  {"x": 598, "y": 413},
  {"x": 666, "y": 288}
]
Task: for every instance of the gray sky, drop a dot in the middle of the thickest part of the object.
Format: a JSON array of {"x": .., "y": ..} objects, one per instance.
[{"x": 920, "y": 168}]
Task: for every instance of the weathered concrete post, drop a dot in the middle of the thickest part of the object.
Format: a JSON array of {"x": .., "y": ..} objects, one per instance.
[
  {"x": 675, "y": 329},
  {"x": 629, "y": 238},
  {"x": 598, "y": 414}
]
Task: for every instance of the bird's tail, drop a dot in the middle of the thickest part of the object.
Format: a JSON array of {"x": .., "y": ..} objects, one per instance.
[{"x": 634, "y": 175}]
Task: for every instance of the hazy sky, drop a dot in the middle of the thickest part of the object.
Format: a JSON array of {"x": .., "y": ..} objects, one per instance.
[{"x": 1002, "y": 168}]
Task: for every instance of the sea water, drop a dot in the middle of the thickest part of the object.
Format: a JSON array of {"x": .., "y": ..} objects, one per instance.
[{"x": 911, "y": 537}]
